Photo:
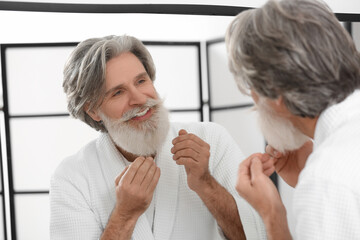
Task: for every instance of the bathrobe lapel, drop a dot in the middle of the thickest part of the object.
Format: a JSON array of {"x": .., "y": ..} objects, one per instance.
[
  {"x": 112, "y": 165},
  {"x": 166, "y": 193}
]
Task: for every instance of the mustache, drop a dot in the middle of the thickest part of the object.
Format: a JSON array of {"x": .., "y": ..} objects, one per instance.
[{"x": 150, "y": 103}]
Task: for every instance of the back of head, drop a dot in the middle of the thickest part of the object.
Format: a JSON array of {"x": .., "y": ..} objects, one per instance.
[
  {"x": 85, "y": 72},
  {"x": 296, "y": 49}
]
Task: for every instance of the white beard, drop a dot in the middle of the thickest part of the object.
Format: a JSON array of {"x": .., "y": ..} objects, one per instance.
[
  {"x": 279, "y": 132},
  {"x": 143, "y": 139}
]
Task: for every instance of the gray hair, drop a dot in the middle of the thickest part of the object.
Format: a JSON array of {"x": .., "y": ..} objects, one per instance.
[
  {"x": 85, "y": 72},
  {"x": 296, "y": 49}
]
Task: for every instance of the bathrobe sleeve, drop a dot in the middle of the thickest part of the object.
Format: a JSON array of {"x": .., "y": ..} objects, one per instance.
[{"x": 71, "y": 214}]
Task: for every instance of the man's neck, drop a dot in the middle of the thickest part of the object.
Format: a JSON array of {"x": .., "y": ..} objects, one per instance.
[
  {"x": 129, "y": 156},
  {"x": 305, "y": 125}
]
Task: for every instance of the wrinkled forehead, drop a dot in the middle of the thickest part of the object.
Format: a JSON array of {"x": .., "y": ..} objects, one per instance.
[{"x": 122, "y": 69}]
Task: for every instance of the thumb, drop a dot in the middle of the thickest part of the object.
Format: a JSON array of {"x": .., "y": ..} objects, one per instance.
[
  {"x": 256, "y": 168},
  {"x": 182, "y": 132}
]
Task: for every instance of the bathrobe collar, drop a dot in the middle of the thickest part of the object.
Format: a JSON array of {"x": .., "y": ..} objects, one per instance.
[{"x": 166, "y": 192}]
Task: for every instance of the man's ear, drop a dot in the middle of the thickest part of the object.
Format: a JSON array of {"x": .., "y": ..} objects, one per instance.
[
  {"x": 279, "y": 102},
  {"x": 280, "y": 105},
  {"x": 92, "y": 113}
]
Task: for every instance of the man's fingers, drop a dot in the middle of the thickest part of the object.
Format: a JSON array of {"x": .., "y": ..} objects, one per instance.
[
  {"x": 272, "y": 151},
  {"x": 189, "y": 136},
  {"x": 187, "y": 162},
  {"x": 182, "y": 132},
  {"x": 269, "y": 171},
  {"x": 258, "y": 155},
  {"x": 142, "y": 170},
  {"x": 256, "y": 169},
  {"x": 187, "y": 143},
  {"x": 117, "y": 179},
  {"x": 244, "y": 177},
  {"x": 131, "y": 172},
  {"x": 154, "y": 181},
  {"x": 265, "y": 157},
  {"x": 268, "y": 163},
  {"x": 149, "y": 176},
  {"x": 244, "y": 167},
  {"x": 186, "y": 153}
]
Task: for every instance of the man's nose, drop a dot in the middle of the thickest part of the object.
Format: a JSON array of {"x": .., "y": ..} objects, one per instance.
[{"x": 137, "y": 97}]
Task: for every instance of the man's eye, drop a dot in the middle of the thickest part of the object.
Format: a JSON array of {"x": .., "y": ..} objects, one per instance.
[
  {"x": 141, "y": 81},
  {"x": 118, "y": 92}
]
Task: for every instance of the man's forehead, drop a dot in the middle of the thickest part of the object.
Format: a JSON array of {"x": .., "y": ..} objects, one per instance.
[{"x": 122, "y": 69}]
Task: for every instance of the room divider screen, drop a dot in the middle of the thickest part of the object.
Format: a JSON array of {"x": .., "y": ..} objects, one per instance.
[{"x": 40, "y": 133}]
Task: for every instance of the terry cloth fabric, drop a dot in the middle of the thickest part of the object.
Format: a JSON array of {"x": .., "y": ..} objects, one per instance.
[
  {"x": 327, "y": 198},
  {"x": 82, "y": 194}
]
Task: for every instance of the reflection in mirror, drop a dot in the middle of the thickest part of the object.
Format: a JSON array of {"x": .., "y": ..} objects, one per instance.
[{"x": 190, "y": 61}]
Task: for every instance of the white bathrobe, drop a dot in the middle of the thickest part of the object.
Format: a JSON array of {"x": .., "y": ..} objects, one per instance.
[
  {"x": 326, "y": 202},
  {"x": 82, "y": 193}
]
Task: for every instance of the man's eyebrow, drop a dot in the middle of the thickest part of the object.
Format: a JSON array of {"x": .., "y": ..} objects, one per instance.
[
  {"x": 114, "y": 88},
  {"x": 140, "y": 75}
]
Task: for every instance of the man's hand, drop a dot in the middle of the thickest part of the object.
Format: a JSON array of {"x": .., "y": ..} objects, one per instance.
[
  {"x": 134, "y": 191},
  {"x": 256, "y": 187},
  {"x": 135, "y": 187},
  {"x": 192, "y": 152},
  {"x": 268, "y": 163},
  {"x": 290, "y": 164}
]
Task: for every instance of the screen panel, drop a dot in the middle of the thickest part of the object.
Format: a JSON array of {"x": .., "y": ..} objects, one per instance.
[
  {"x": 223, "y": 89},
  {"x": 39, "y": 144},
  {"x": 34, "y": 78},
  {"x": 2, "y": 232},
  {"x": 35, "y": 75},
  {"x": 184, "y": 117},
  {"x": 242, "y": 125},
  {"x": 177, "y": 75},
  {"x": 32, "y": 217}
]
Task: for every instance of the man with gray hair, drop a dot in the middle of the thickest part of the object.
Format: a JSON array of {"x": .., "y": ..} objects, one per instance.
[
  {"x": 112, "y": 188},
  {"x": 303, "y": 72}
]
